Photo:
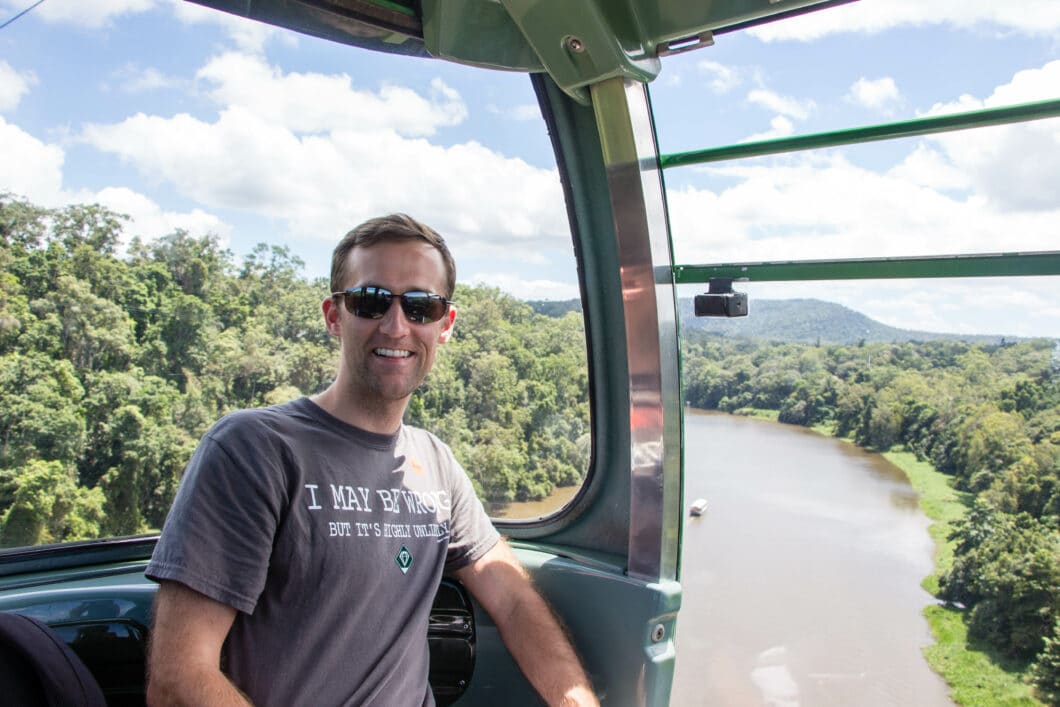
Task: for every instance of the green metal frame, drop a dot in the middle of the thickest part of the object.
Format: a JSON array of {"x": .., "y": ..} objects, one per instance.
[
  {"x": 1019, "y": 113},
  {"x": 577, "y": 43},
  {"x": 991, "y": 265}
]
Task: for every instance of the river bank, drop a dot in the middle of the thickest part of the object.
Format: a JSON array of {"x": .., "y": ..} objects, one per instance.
[{"x": 976, "y": 676}]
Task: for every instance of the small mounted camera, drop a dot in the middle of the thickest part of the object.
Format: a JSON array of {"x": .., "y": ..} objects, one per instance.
[{"x": 720, "y": 300}]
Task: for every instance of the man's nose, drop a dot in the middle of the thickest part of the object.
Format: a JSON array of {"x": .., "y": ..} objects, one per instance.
[{"x": 394, "y": 323}]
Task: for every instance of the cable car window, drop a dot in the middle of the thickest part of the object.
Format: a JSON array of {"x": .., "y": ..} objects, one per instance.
[
  {"x": 897, "y": 367},
  {"x": 174, "y": 180}
]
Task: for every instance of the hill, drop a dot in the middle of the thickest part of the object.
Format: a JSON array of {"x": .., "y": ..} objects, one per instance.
[{"x": 807, "y": 321}]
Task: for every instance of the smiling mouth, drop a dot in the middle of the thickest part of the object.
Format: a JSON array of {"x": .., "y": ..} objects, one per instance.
[{"x": 392, "y": 353}]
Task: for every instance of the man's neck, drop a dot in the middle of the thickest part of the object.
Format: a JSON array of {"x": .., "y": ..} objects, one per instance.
[{"x": 372, "y": 417}]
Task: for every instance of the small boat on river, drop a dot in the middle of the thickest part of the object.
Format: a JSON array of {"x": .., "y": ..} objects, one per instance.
[{"x": 698, "y": 507}]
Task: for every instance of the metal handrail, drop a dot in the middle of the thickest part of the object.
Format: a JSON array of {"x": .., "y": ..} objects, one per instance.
[
  {"x": 1019, "y": 113},
  {"x": 936, "y": 266}
]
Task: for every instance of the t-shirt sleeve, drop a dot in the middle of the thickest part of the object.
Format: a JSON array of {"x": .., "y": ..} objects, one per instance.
[
  {"x": 219, "y": 533},
  {"x": 471, "y": 534}
]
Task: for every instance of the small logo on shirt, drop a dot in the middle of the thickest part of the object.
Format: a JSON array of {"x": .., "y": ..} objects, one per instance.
[
  {"x": 417, "y": 468},
  {"x": 403, "y": 559}
]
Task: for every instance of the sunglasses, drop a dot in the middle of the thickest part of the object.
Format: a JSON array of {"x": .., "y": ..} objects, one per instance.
[{"x": 373, "y": 302}]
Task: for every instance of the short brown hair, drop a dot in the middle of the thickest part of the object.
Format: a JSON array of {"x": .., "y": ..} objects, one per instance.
[{"x": 395, "y": 227}]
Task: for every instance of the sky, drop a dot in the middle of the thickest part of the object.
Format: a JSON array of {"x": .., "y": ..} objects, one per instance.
[{"x": 182, "y": 117}]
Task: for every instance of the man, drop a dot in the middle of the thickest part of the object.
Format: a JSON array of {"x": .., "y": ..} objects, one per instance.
[{"x": 302, "y": 553}]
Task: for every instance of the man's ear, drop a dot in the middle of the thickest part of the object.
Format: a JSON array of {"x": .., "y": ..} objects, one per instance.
[
  {"x": 447, "y": 326},
  {"x": 332, "y": 309}
]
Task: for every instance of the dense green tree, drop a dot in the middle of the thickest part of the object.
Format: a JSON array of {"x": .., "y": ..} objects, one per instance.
[
  {"x": 139, "y": 488},
  {"x": 1006, "y": 570},
  {"x": 48, "y": 507},
  {"x": 38, "y": 417},
  {"x": 1046, "y": 670}
]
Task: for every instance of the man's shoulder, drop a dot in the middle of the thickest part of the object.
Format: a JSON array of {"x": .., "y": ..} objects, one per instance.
[
  {"x": 426, "y": 447},
  {"x": 261, "y": 420},
  {"x": 418, "y": 435}
]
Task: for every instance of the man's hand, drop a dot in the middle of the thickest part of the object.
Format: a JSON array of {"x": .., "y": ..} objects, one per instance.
[
  {"x": 186, "y": 638},
  {"x": 528, "y": 627}
]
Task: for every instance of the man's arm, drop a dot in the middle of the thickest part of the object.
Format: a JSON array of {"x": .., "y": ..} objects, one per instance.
[
  {"x": 184, "y": 663},
  {"x": 528, "y": 627}
]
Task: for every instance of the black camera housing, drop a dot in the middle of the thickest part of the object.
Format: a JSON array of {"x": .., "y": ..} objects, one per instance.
[{"x": 721, "y": 301}]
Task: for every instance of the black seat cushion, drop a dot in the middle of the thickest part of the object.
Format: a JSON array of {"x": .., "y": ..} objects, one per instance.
[{"x": 38, "y": 668}]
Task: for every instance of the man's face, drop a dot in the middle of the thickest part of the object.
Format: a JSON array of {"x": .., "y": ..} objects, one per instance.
[{"x": 385, "y": 360}]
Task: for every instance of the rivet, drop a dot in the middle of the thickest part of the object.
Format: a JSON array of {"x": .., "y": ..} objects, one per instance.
[
  {"x": 575, "y": 45},
  {"x": 658, "y": 633}
]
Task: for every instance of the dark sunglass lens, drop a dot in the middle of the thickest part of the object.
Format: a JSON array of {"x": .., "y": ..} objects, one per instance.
[
  {"x": 369, "y": 302},
  {"x": 422, "y": 307}
]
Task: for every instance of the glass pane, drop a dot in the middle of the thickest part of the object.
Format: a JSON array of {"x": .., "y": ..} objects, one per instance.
[
  {"x": 832, "y": 426},
  {"x": 982, "y": 190},
  {"x": 173, "y": 182}
]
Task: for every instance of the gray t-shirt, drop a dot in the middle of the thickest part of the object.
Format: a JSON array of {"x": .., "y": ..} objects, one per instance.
[{"x": 330, "y": 542}]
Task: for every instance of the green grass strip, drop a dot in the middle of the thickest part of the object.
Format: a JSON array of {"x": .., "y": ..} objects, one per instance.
[
  {"x": 976, "y": 680},
  {"x": 760, "y": 413},
  {"x": 976, "y": 676}
]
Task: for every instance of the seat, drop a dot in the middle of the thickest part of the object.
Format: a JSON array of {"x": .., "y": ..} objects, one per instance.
[{"x": 38, "y": 668}]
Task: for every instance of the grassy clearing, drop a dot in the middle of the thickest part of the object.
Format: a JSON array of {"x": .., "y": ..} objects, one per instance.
[
  {"x": 977, "y": 678},
  {"x": 976, "y": 675}
]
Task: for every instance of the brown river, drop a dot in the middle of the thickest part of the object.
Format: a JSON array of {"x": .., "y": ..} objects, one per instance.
[{"x": 801, "y": 582}]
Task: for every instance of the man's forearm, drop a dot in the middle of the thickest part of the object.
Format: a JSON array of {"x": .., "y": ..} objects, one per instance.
[
  {"x": 528, "y": 627},
  {"x": 544, "y": 653},
  {"x": 184, "y": 659},
  {"x": 201, "y": 688}
]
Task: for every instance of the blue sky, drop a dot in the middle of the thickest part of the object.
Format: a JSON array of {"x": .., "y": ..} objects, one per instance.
[{"x": 187, "y": 118}]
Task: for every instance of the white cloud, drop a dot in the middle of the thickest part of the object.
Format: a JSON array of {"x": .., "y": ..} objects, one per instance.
[
  {"x": 722, "y": 79},
  {"x": 319, "y": 166},
  {"x": 34, "y": 170},
  {"x": 1017, "y": 166},
  {"x": 926, "y": 166},
  {"x": 13, "y": 85},
  {"x": 522, "y": 113},
  {"x": 778, "y": 127},
  {"x": 785, "y": 105},
  {"x": 91, "y": 14},
  {"x": 524, "y": 289},
  {"x": 1029, "y": 17},
  {"x": 313, "y": 102},
  {"x": 133, "y": 78},
  {"x": 353, "y": 165},
  {"x": 876, "y": 94},
  {"x": 1026, "y": 86},
  {"x": 30, "y": 168},
  {"x": 149, "y": 221},
  {"x": 822, "y": 206}
]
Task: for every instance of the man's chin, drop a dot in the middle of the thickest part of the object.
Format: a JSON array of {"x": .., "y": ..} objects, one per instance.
[{"x": 395, "y": 391}]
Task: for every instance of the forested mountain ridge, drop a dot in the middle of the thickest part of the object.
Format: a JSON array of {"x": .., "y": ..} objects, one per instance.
[
  {"x": 811, "y": 321},
  {"x": 805, "y": 321}
]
